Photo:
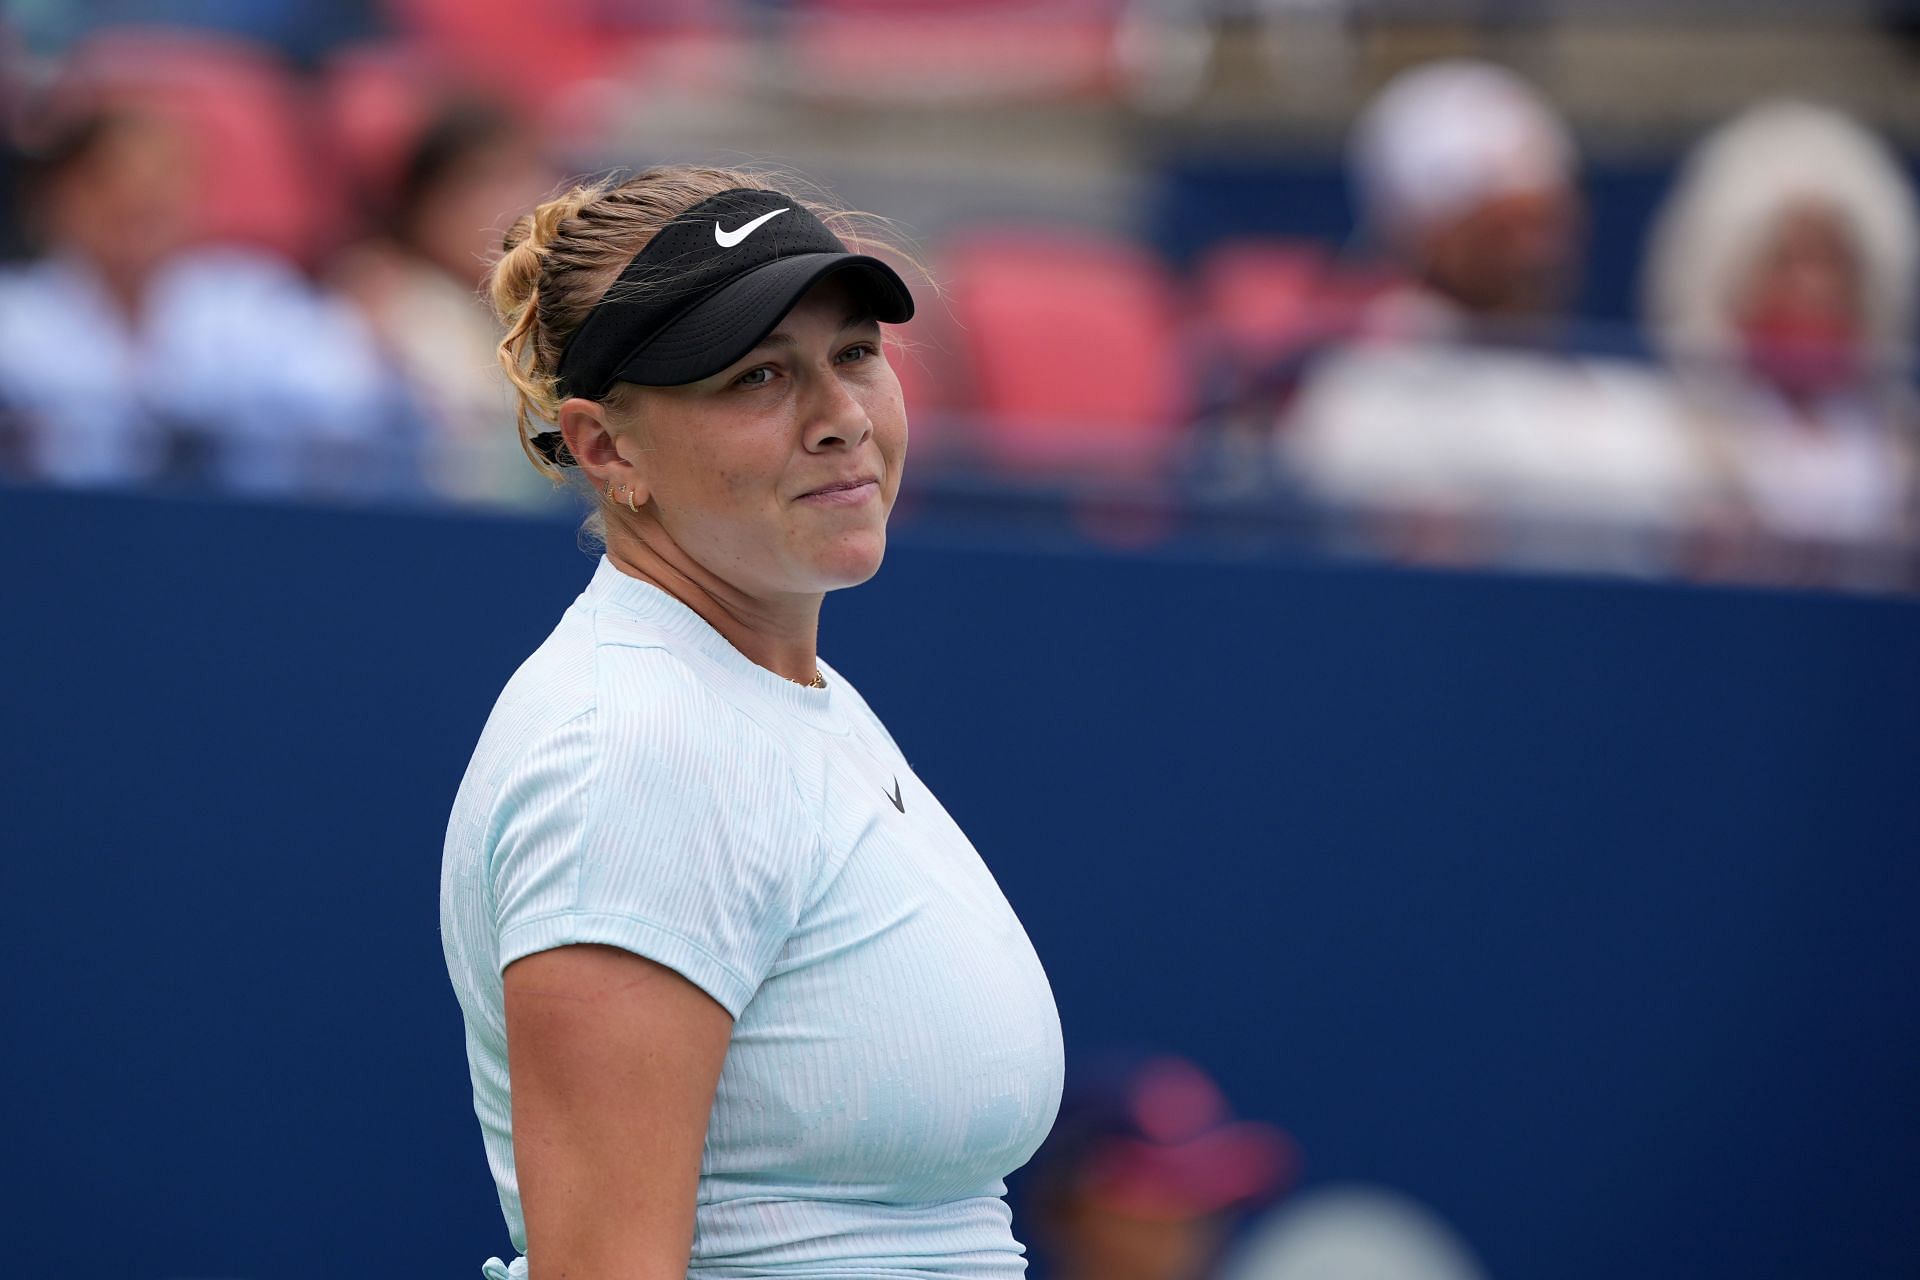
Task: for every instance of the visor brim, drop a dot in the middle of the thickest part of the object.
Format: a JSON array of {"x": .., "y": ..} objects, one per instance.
[{"x": 729, "y": 322}]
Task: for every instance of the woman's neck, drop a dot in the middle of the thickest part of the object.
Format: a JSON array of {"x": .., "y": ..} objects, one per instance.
[{"x": 780, "y": 635}]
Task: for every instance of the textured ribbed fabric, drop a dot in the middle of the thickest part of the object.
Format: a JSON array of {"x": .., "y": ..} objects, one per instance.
[{"x": 895, "y": 1048}]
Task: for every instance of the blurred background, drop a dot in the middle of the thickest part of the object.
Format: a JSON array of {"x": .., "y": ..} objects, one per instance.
[{"x": 1443, "y": 471}]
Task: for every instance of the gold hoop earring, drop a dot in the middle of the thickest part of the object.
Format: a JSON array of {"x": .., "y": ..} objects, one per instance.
[
  {"x": 609, "y": 488},
  {"x": 630, "y": 503}
]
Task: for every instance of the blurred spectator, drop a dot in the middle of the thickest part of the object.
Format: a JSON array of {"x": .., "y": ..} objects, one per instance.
[
  {"x": 1452, "y": 432},
  {"x": 134, "y": 358},
  {"x": 1143, "y": 1172},
  {"x": 472, "y": 173},
  {"x": 1449, "y": 455},
  {"x": 1353, "y": 1232},
  {"x": 1466, "y": 176},
  {"x": 1782, "y": 285}
]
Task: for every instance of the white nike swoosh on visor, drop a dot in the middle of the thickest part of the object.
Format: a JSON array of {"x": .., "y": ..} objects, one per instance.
[{"x": 728, "y": 239}]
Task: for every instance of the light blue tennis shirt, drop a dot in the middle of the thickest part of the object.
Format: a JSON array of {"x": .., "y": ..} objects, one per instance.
[{"x": 895, "y": 1050}]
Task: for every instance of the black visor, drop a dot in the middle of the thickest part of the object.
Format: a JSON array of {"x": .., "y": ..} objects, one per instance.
[{"x": 708, "y": 288}]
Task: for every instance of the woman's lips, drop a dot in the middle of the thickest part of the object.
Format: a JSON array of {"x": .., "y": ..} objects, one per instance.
[{"x": 851, "y": 494}]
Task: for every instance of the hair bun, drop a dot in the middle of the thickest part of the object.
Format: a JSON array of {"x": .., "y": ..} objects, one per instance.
[{"x": 515, "y": 281}]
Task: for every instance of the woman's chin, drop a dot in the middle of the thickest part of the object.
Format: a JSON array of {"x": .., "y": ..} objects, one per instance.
[{"x": 849, "y": 560}]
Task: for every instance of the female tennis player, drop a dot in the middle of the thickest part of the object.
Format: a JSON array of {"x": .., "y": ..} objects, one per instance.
[{"x": 741, "y": 999}]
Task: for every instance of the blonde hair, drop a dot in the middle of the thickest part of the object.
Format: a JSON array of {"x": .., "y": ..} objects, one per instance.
[{"x": 559, "y": 261}]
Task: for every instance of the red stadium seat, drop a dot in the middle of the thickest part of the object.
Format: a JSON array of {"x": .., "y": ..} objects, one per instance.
[
  {"x": 1074, "y": 356},
  {"x": 1263, "y": 299},
  {"x": 542, "y": 57},
  {"x": 942, "y": 50},
  {"x": 908, "y": 355},
  {"x": 527, "y": 55},
  {"x": 374, "y": 101},
  {"x": 248, "y": 120}
]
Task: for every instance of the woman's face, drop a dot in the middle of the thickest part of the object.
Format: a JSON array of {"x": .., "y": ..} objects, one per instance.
[
  {"x": 128, "y": 205},
  {"x": 1513, "y": 255},
  {"x": 778, "y": 473},
  {"x": 457, "y": 224},
  {"x": 1803, "y": 311}
]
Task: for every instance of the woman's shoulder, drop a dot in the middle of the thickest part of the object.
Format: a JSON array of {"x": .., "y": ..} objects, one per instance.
[
  {"x": 608, "y": 702},
  {"x": 653, "y": 691},
  {"x": 617, "y": 670}
]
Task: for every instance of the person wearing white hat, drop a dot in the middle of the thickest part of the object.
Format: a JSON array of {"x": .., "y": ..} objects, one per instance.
[
  {"x": 1466, "y": 177},
  {"x": 1782, "y": 286},
  {"x": 1459, "y": 429}
]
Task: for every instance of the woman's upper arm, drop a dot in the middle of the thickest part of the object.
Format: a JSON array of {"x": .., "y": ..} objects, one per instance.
[{"x": 614, "y": 1061}]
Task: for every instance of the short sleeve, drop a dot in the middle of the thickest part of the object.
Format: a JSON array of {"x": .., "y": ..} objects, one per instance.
[{"x": 664, "y": 822}]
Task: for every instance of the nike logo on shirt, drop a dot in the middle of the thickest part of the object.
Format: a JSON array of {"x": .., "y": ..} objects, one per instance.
[
  {"x": 894, "y": 795},
  {"x": 728, "y": 239}
]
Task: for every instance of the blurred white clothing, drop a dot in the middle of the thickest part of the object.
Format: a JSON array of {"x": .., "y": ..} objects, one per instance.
[
  {"x": 233, "y": 350},
  {"x": 1353, "y": 1232},
  {"x": 1489, "y": 434},
  {"x": 1838, "y": 475}
]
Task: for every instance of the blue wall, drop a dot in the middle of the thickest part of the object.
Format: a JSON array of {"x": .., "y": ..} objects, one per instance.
[{"x": 1585, "y": 912}]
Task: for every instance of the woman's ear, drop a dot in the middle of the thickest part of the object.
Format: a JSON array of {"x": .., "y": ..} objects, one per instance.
[{"x": 595, "y": 444}]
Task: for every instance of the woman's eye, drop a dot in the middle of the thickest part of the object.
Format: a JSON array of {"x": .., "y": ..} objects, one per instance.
[
  {"x": 858, "y": 351},
  {"x": 754, "y": 377}
]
